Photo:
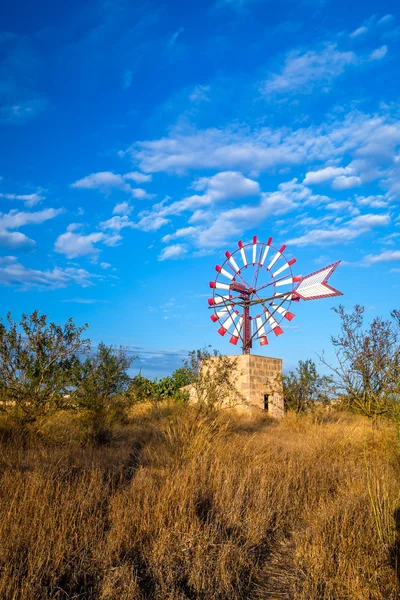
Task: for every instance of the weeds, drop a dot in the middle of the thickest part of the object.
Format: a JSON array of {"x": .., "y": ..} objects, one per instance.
[{"x": 218, "y": 507}]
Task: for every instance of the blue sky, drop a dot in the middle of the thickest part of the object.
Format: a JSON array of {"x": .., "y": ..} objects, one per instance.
[{"x": 139, "y": 141}]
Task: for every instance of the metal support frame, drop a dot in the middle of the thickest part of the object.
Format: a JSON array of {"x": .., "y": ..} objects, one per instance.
[{"x": 247, "y": 338}]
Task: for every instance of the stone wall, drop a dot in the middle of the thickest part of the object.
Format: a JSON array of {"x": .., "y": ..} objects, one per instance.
[
  {"x": 258, "y": 376},
  {"x": 254, "y": 377}
]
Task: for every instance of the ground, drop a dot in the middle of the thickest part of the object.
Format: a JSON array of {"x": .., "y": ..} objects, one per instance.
[{"x": 183, "y": 504}]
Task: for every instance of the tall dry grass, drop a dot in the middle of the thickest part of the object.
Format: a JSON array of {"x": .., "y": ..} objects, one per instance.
[{"x": 182, "y": 507}]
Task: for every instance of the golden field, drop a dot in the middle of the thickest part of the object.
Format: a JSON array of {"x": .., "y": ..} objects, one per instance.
[{"x": 188, "y": 506}]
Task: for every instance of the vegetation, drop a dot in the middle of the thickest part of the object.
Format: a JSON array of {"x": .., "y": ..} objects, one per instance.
[
  {"x": 144, "y": 390},
  {"x": 304, "y": 387},
  {"x": 235, "y": 508},
  {"x": 38, "y": 362},
  {"x": 119, "y": 488},
  {"x": 367, "y": 369},
  {"x": 99, "y": 387},
  {"x": 212, "y": 377},
  {"x": 46, "y": 367}
]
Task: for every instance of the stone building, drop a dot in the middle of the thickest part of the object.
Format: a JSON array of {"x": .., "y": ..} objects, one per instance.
[
  {"x": 259, "y": 382},
  {"x": 256, "y": 382}
]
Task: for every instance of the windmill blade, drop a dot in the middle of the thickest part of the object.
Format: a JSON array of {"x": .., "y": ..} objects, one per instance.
[
  {"x": 274, "y": 325},
  {"x": 219, "y": 300},
  {"x": 288, "y": 281},
  {"x": 314, "y": 285},
  {"x": 232, "y": 261},
  {"x": 228, "y": 323},
  {"x": 276, "y": 257},
  {"x": 285, "y": 266},
  {"x": 254, "y": 250},
  {"x": 223, "y": 272},
  {"x": 243, "y": 253},
  {"x": 282, "y": 311},
  {"x": 262, "y": 336},
  {"x": 267, "y": 247},
  {"x": 219, "y": 313},
  {"x": 219, "y": 286},
  {"x": 236, "y": 335}
]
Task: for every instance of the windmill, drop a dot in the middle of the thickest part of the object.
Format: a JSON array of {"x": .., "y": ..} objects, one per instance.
[{"x": 254, "y": 289}]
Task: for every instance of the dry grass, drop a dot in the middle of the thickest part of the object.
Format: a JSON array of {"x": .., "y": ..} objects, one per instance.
[{"x": 180, "y": 507}]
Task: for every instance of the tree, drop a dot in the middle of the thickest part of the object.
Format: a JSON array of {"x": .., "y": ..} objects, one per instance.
[
  {"x": 304, "y": 387},
  {"x": 171, "y": 386},
  {"x": 367, "y": 373},
  {"x": 38, "y": 362},
  {"x": 141, "y": 388},
  {"x": 99, "y": 385}
]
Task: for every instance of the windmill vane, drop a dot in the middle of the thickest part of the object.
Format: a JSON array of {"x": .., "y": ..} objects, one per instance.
[{"x": 254, "y": 289}]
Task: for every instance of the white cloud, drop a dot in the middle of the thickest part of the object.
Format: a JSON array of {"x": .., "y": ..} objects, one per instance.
[
  {"x": 16, "y": 240},
  {"x": 16, "y": 219},
  {"x": 199, "y": 94},
  {"x": 173, "y": 252},
  {"x": 345, "y": 183},
  {"x": 219, "y": 187},
  {"x": 228, "y": 184},
  {"x": 235, "y": 221},
  {"x": 112, "y": 240},
  {"x": 76, "y": 244},
  {"x": 12, "y": 272},
  {"x": 327, "y": 174},
  {"x": 359, "y": 31},
  {"x": 123, "y": 208},
  {"x": 387, "y": 256},
  {"x": 302, "y": 72},
  {"x": 370, "y": 142},
  {"x": 85, "y": 301},
  {"x": 183, "y": 232},
  {"x": 140, "y": 194},
  {"x": 138, "y": 177},
  {"x": 385, "y": 19},
  {"x": 372, "y": 201},
  {"x": 106, "y": 181},
  {"x": 116, "y": 223},
  {"x": 342, "y": 205},
  {"x": 347, "y": 232},
  {"x": 379, "y": 53},
  {"x": 370, "y": 220},
  {"x": 28, "y": 199},
  {"x": 103, "y": 180},
  {"x": 228, "y": 149},
  {"x": 105, "y": 265},
  {"x": 216, "y": 149},
  {"x": 150, "y": 221},
  {"x": 199, "y": 215},
  {"x": 218, "y": 228}
]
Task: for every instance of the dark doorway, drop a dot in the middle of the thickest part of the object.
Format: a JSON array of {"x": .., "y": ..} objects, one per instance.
[{"x": 266, "y": 396}]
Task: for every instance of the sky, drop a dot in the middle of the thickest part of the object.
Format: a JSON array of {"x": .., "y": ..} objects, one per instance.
[{"x": 141, "y": 140}]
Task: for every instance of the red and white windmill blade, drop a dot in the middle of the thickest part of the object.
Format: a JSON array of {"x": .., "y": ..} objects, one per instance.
[{"x": 237, "y": 291}]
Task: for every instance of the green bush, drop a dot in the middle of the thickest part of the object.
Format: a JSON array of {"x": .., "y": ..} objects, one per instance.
[{"x": 38, "y": 363}]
